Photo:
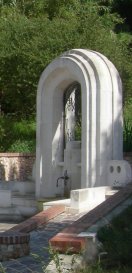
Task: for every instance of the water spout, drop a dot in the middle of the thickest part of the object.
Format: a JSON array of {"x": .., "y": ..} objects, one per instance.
[{"x": 65, "y": 177}]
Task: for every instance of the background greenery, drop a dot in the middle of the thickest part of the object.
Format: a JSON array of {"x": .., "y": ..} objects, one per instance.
[{"x": 35, "y": 32}]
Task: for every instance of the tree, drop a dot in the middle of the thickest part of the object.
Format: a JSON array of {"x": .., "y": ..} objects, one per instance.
[{"x": 31, "y": 39}]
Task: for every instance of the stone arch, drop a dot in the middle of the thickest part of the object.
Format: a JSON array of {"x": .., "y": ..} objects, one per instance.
[{"x": 101, "y": 118}]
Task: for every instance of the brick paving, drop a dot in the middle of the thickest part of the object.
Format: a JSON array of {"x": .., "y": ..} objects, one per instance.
[
  {"x": 39, "y": 245},
  {"x": 64, "y": 228}
]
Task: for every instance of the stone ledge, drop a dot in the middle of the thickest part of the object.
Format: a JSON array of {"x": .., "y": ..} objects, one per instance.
[{"x": 17, "y": 155}]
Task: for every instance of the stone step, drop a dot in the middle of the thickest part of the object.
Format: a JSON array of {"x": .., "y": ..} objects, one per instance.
[
  {"x": 27, "y": 205},
  {"x": 28, "y": 200},
  {"x": 10, "y": 213},
  {"x": 22, "y": 187},
  {"x": 20, "y": 206},
  {"x": 17, "y": 193}
]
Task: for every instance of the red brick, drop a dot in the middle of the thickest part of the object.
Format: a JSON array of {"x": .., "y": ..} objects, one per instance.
[
  {"x": 39, "y": 219},
  {"x": 9, "y": 238},
  {"x": 67, "y": 244}
]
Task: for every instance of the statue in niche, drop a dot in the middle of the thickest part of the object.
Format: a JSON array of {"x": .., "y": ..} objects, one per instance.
[{"x": 72, "y": 112}]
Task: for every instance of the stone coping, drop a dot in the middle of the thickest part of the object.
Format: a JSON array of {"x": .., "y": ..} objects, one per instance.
[
  {"x": 10, "y": 154},
  {"x": 17, "y": 155}
]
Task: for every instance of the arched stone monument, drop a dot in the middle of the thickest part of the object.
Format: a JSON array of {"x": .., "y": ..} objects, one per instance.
[{"x": 90, "y": 162}]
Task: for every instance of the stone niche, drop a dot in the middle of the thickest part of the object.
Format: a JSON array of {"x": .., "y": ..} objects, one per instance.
[{"x": 61, "y": 161}]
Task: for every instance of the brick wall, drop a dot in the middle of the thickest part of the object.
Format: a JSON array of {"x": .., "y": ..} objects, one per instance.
[{"x": 16, "y": 166}]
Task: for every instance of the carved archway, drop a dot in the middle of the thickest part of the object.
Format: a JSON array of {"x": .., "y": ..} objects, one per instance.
[{"x": 101, "y": 118}]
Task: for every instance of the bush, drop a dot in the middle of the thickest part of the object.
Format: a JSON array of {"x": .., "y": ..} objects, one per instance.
[
  {"x": 33, "y": 34},
  {"x": 116, "y": 238},
  {"x": 22, "y": 146},
  {"x": 127, "y": 136},
  {"x": 17, "y": 135},
  {"x": 127, "y": 132}
]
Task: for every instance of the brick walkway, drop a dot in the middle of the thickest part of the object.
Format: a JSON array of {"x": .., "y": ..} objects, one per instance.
[
  {"x": 39, "y": 245},
  {"x": 62, "y": 232}
]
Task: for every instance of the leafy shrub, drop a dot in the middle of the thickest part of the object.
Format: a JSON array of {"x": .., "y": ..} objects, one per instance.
[
  {"x": 22, "y": 146},
  {"x": 33, "y": 34},
  {"x": 127, "y": 132},
  {"x": 116, "y": 238},
  {"x": 127, "y": 136},
  {"x": 17, "y": 135}
]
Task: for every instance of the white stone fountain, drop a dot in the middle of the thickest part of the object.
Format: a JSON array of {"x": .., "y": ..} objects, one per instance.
[
  {"x": 95, "y": 163},
  {"x": 83, "y": 169}
]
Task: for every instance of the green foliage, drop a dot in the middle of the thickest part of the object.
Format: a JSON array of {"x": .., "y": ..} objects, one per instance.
[
  {"x": 2, "y": 269},
  {"x": 17, "y": 136},
  {"x": 127, "y": 132},
  {"x": 22, "y": 146},
  {"x": 35, "y": 32},
  {"x": 116, "y": 238},
  {"x": 122, "y": 7},
  {"x": 127, "y": 136}
]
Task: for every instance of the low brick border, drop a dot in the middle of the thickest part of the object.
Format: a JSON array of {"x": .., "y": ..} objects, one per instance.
[
  {"x": 68, "y": 238},
  {"x": 68, "y": 244},
  {"x": 14, "y": 245},
  {"x": 14, "y": 238},
  {"x": 39, "y": 219}
]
